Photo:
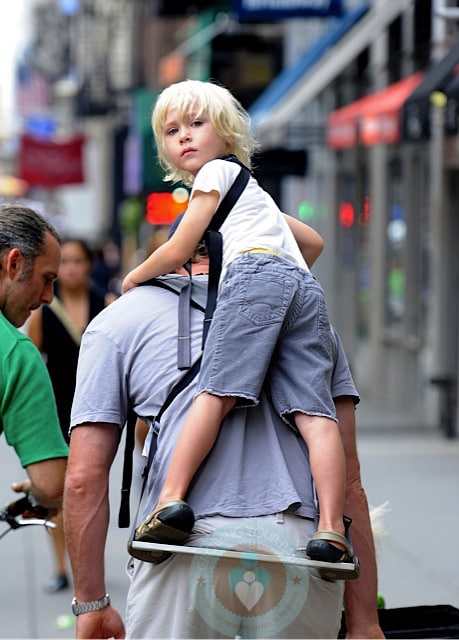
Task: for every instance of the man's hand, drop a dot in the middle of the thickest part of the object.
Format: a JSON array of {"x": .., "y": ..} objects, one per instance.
[
  {"x": 24, "y": 486},
  {"x": 33, "y": 510},
  {"x": 106, "y": 623}
]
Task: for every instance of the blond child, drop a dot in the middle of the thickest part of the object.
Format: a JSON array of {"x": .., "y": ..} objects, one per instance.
[{"x": 271, "y": 321}]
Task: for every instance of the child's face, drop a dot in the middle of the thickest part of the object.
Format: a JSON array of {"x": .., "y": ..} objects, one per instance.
[{"x": 191, "y": 141}]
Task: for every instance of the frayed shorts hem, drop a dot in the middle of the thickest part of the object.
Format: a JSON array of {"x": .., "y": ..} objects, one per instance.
[
  {"x": 242, "y": 401},
  {"x": 288, "y": 417}
]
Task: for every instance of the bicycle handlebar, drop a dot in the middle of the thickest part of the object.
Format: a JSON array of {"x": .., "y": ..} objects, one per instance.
[{"x": 32, "y": 515}]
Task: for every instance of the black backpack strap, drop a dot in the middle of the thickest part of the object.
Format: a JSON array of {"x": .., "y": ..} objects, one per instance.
[
  {"x": 126, "y": 483},
  {"x": 230, "y": 199},
  {"x": 178, "y": 388},
  {"x": 213, "y": 240},
  {"x": 185, "y": 301},
  {"x": 124, "y": 511}
]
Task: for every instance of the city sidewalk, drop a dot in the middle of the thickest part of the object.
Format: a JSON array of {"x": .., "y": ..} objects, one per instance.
[
  {"x": 385, "y": 419},
  {"x": 412, "y": 468}
]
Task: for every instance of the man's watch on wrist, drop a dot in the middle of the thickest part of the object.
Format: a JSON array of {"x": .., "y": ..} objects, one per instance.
[{"x": 93, "y": 605}]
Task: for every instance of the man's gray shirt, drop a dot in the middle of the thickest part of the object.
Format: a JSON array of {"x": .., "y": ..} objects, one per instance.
[{"x": 128, "y": 354}]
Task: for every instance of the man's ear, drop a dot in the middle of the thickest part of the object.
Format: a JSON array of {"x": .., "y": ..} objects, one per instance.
[{"x": 14, "y": 263}]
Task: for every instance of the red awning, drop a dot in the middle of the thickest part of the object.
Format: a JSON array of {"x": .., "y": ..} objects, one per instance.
[{"x": 374, "y": 119}]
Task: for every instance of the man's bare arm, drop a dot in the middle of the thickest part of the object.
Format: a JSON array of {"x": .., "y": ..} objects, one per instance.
[
  {"x": 360, "y": 596},
  {"x": 45, "y": 482},
  {"x": 86, "y": 517}
]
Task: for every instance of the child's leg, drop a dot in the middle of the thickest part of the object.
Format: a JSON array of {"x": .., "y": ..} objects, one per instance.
[
  {"x": 328, "y": 468},
  {"x": 197, "y": 437}
]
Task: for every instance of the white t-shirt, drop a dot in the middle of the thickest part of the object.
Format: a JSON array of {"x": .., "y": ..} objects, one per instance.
[{"x": 255, "y": 221}]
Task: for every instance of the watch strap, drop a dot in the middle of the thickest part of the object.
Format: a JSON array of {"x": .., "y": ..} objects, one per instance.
[{"x": 93, "y": 605}]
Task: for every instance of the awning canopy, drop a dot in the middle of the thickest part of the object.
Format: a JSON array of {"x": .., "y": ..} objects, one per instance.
[
  {"x": 416, "y": 110},
  {"x": 301, "y": 82},
  {"x": 374, "y": 119},
  {"x": 291, "y": 75}
]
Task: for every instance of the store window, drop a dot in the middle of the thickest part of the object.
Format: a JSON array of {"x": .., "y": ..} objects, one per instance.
[
  {"x": 407, "y": 249},
  {"x": 363, "y": 220},
  {"x": 354, "y": 216},
  {"x": 396, "y": 239},
  {"x": 417, "y": 322}
]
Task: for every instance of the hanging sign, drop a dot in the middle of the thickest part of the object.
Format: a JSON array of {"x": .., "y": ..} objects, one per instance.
[
  {"x": 271, "y": 10},
  {"x": 46, "y": 163}
]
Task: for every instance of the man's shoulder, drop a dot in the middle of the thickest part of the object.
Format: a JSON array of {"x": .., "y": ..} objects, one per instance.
[
  {"x": 148, "y": 303},
  {"x": 19, "y": 357},
  {"x": 176, "y": 283},
  {"x": 11, "y": 337}
]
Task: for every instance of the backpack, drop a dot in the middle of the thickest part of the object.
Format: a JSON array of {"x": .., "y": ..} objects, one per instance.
[{"x": 188, "y": 296}]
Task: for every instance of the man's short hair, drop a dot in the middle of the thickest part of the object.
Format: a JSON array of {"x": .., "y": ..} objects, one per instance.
[{"x": 24, "y": 229}]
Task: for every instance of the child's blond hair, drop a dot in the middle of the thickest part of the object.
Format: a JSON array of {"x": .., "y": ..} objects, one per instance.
[{"x": 226, "y": 114}]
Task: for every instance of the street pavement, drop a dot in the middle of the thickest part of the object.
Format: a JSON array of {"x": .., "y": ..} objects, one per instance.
[
  {"x": 415, "y": 470},
  {"x": 26, "y": 562},
  {"x": 411, "y": 468}
]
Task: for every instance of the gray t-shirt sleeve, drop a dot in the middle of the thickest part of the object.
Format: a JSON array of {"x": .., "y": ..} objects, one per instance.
[
  {"x": 342, "y": 383},
  {"x": 101, "y": 387}
]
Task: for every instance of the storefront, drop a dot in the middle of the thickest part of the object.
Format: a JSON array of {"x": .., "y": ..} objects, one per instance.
[
  {"x": 391, "y": 206},
  {"x": 397, "y": 196},
  {"x": 382, "y": 232}
]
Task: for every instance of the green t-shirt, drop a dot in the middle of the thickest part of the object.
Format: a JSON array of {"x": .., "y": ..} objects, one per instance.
[{"x": 28, "y": 414}]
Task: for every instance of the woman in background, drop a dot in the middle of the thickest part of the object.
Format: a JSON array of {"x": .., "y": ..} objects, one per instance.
[{"x": 56, "y": 330}]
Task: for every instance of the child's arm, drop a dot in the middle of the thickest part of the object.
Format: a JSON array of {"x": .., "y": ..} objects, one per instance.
[
  {"x": 309, "y": 241},
  {"x": 175, "y": 252}
]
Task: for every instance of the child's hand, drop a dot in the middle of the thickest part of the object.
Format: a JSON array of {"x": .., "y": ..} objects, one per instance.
[{"x": 128, "y": 283}]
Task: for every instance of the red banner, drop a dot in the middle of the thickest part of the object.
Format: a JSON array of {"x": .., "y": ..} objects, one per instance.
[{"x": 51, "y": 164}]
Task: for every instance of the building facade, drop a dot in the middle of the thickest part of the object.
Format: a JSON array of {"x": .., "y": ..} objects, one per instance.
[{"x": 356, "y": 108}]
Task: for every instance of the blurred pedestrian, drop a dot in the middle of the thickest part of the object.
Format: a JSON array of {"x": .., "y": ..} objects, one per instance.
[
  {"x": 29, "y": 262},
  {"x": 106, "y": 269},
  {"x": 56, "y": 330}
]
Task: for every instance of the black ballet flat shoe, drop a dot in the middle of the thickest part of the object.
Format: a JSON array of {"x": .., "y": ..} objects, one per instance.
[
  {"x": 320, "y": 547},
  {"x": 170, "y": 523}
]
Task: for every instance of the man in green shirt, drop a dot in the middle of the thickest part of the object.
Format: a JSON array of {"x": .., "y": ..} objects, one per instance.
[{"x": 29, "y": 262}]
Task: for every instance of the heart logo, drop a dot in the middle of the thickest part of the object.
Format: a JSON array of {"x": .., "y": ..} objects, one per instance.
[{"x": 249, "y": 594}]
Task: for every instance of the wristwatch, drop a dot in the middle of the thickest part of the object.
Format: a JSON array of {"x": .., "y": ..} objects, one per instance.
[{"x": 94, "y": 605}]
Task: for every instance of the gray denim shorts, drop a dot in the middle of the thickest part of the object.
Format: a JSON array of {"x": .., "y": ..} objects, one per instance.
[{"x": 271, "y": 323}]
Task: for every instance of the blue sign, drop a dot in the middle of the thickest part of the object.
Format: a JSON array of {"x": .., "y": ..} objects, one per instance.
[{"x": 271, "y": 10}]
